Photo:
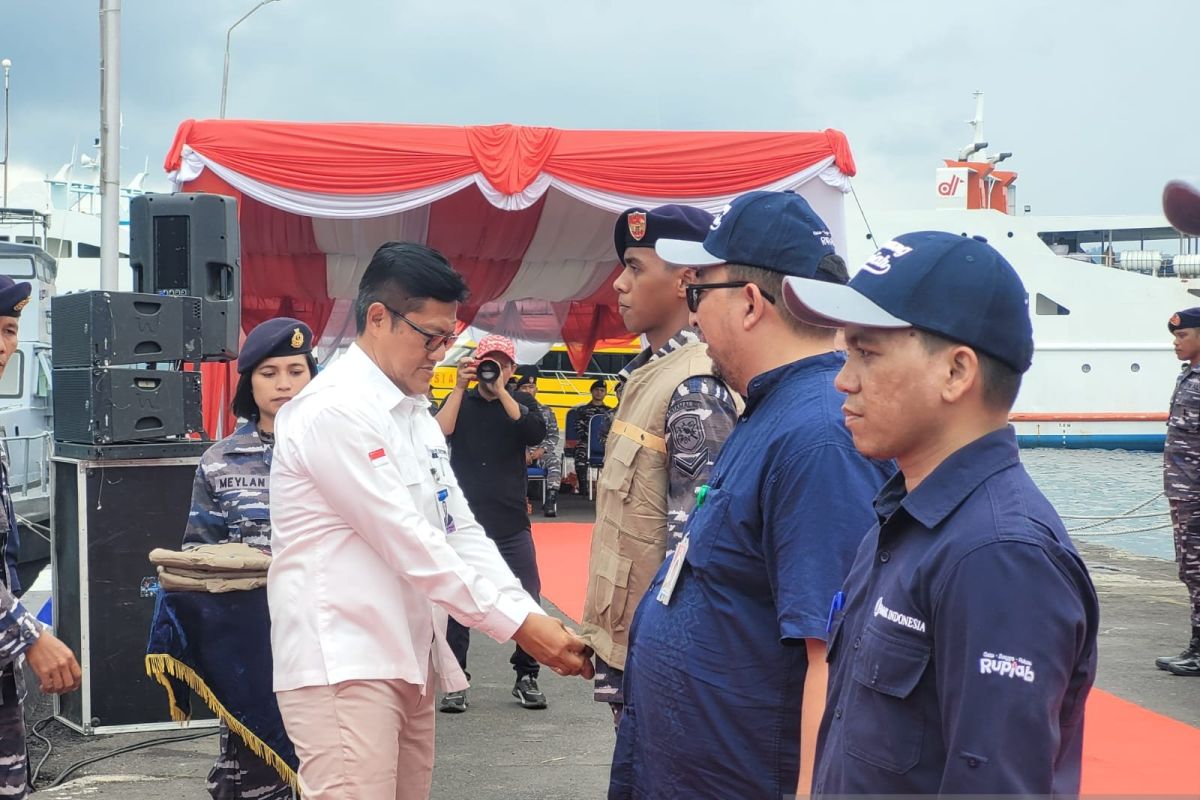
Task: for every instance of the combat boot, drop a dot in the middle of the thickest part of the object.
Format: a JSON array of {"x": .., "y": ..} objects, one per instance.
[
  {"x": 1188, "y": 663},
  {"x": 550, "y": 507}
]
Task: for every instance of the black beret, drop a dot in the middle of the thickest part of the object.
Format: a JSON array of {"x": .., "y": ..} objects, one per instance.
[
  {"x": 637, "y": 227},
  {"x": 527, "y": 375},
  {"x": 282, "y": 336},
  {"x": 13, "y": 296},
  {"x": 600, "y": 384},
  {"x": 1188, "y": 318}
]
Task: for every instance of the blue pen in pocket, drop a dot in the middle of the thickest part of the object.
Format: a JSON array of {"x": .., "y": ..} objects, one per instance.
[{"x": 839, "y": 601}]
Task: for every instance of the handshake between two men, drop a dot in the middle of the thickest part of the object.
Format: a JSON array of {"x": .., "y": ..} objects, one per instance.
[{"x": 552, "y": 643}]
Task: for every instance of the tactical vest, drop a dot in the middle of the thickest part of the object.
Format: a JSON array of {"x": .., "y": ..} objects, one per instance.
[{"x": 629, "y": 540}]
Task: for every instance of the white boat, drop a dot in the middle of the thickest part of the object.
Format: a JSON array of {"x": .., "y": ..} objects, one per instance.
[{"x": 1101, "y": 290}]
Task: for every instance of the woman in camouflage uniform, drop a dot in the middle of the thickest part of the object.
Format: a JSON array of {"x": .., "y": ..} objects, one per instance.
[{"x": 231, "y": 503}]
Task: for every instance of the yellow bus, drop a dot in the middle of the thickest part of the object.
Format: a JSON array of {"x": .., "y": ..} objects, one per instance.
[{"x": 559, "y": 386}]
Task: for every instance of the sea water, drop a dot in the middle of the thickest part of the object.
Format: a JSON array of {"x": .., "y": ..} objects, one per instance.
[{"x": 1101, "y": 483}]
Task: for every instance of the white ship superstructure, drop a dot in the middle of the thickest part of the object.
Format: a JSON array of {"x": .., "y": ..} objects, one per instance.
[{"x": 1101, "y": 290}]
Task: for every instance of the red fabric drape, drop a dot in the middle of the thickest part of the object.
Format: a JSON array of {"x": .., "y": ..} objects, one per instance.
[
  {"x": 350, "y": 159},
  {"x": 483, "y": 243},
  {"x": 591, "y": 319}
]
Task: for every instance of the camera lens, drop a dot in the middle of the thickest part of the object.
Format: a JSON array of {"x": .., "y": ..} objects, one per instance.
[{"x": 488, "y": 371}]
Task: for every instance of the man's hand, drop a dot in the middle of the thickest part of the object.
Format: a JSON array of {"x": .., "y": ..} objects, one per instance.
[
  {"x": 550, "y": 641},
  {"x": 54, "y": 664},
  {"x": 536, "y": 453},
  {"x": 466, "y": 373}
]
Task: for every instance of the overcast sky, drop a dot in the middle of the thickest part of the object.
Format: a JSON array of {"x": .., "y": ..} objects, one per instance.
[{"x": 1099, "y": 101}]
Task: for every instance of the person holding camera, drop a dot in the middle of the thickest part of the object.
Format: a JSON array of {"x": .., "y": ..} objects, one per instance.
[{"x": 489, "y": 429}]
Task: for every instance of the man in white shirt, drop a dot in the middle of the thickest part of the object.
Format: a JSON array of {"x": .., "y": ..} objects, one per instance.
[{"x": 374, "y": 543}]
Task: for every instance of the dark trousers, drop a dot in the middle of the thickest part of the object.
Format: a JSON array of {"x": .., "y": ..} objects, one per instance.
[{"x": 517, "y": 551}]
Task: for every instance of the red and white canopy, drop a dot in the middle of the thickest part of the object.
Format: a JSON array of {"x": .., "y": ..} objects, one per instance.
[{"x": 525, "y": 213}]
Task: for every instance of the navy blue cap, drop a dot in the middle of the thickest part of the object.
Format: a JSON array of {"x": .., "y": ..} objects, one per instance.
[
  {"x": 282, "y": 336},
  {"x": 1187, "y": 318},
  {"x": 776, "y": 231},
  {"x": 958, "y": 287},
  {"x": 13, "y": 296},
  {"x": 637, "y": 227}
]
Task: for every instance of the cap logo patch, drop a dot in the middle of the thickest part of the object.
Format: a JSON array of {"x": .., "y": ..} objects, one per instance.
[
  {"x": 1175, "y": 320},
  {"x": 716, "y": 223},
  {"x": 297, "y": 339},
  {"x": 824, "y": 237},
  {"x": 21, "y": 304},
  {"x": 881, "y": 262},
  {"x": 637, "y": 225}
]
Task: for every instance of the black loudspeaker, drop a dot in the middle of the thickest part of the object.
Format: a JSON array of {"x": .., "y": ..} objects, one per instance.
[
  {"x": 106, "y": 517},
  {"x": 98, "y": 329},
  {"x": 188, "y": 245},
  {"x": 102, "y": 405}
]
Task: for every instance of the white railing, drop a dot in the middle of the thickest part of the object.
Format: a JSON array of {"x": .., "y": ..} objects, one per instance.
[{"x": 30, "y": 479}]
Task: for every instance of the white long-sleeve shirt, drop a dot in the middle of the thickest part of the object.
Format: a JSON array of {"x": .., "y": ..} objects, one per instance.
[{"x": 373, "y": 541}]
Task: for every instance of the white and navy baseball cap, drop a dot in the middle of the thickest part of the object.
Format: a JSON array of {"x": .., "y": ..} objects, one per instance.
[
  {"x": 776, "y": 231},
  {"x": 958, "y": 287}
]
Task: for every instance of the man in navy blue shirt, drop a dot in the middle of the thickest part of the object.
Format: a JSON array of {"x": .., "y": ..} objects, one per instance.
[
  {"x": 725, "y": 677},
  {"x": 966, "y": 647}
]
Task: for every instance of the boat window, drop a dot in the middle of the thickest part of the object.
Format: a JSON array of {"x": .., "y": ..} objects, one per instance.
[
  {"x": 43, "y": 376},
  {"x": 17, "y": 266},
  {"x": 11, "y": 381},
  {"x": 1047, "y": 307},
  {"x": 29, "y": 240},
  {"x": 58, "y": 248},
  {"x": 86, "y": 250}
]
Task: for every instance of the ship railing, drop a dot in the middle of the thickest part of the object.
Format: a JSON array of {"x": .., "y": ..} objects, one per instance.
[{"x": 32, "y": 480}]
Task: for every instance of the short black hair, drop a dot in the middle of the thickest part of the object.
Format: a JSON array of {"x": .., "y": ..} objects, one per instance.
[
  {"x": 403, "y": 275},
  {"x": 1001, "y": 383},
  {"x": 243, "y": 405},
  {"x": 770, "y": 281}
]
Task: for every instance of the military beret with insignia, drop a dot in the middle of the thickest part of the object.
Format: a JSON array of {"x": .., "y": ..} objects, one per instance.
[
  {"x": 282, "y": 336},
  {"x": 1188, "y": 318},
  {"x": 637, "y": 227},
  {"x": 14, "y": 296}
]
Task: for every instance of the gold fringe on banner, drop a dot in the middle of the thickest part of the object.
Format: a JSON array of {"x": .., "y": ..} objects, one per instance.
[{"x": 160, "y": 666}]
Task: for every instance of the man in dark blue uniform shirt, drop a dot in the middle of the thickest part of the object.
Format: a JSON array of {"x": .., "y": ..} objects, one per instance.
[
  {"x": 966, "y": 648},
  {"x": 725, "y": 677}
]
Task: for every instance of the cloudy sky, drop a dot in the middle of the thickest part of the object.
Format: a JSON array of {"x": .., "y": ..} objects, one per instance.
[{"x": 1099, "y": 101}]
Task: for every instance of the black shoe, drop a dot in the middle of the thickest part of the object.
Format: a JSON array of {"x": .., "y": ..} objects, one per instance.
[
  {"x": 453, "y": 702},
  {"x": 550, "y": 507},
  {"x": 1165, "y": 662},
  {"x": 527, "y": 691},
  {"x": 1192, "y": 652},
  {"x": 1189, "y": 667}
]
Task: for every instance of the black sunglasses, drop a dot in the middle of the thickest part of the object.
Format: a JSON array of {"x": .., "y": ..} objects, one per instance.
[
  {"x": 696, "y": 290},
  {"x": 433, "y": 340}
]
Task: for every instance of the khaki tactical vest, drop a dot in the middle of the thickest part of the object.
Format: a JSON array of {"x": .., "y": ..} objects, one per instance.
[{"x": 629, "y": 540}]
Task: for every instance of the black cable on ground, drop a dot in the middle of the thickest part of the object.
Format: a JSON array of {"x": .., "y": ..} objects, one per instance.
[
  {"x": 35, "y": 731},
  {"x": 66, "y": 773}
]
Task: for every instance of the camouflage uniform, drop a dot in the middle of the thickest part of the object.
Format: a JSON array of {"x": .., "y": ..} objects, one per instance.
[
  {"x": 551, "y": 460},
  {"x": 231, "y": 503},
  {"x": 582, "y": 425},
  {"x": 1181, "y": 481},
  {"x": 19, "y": 629},
  {"x": 700, "y": 417}
]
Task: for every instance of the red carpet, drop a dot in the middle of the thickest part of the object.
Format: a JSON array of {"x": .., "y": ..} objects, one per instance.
[{"x": 1127, "y": 749}]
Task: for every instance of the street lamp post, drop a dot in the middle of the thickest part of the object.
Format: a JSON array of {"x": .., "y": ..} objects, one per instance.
[
  {"x": 7, "y": 65},
  {"x": 228, "y": 35}
]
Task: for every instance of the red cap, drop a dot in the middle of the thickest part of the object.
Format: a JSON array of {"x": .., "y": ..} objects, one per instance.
[{"x": 496, "y": 344}]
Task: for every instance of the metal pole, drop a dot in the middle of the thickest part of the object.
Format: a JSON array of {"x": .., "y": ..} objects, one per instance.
[
  {"x": 7, "y": 65},
  {"x": 228, "y": 36},
  {"x": 110, "y": 139}
]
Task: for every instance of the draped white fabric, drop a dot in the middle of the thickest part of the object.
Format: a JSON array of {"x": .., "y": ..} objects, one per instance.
[
  {"x": 571, "y": 253},
  {"x": 350, "y": 243}
]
